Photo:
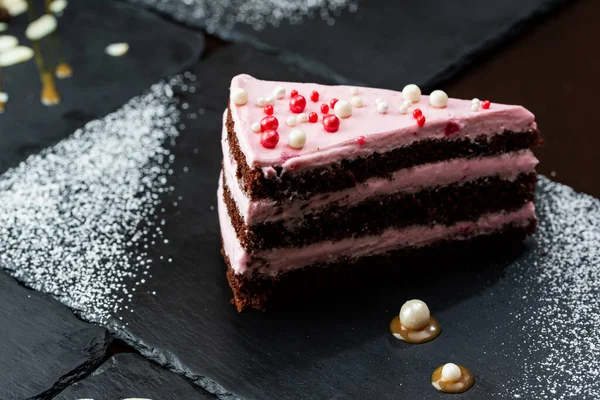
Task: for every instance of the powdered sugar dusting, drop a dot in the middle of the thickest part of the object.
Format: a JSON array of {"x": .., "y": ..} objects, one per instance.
[
  {"x": 561, "y": 328},
  {"x": 76, "y": 219},
  {"x": 214, "y": 14}
]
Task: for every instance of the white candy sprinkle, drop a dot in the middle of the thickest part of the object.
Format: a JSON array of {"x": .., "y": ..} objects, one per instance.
[
  {"x": 354, "y": 91},
  {"x": 378, "y": 100},
  {"x": 8, "y": 42},
  {"x": 270, "y": 100},
  {"x": 3, "y": 97},
  {"x": 451, "y": 372},
  {"x": 411, "y": 92},
  {"x": 291, "y": 121},
  {"x": 15, "y": 56},
  {"x": 438, "y": 99},
  {"x": 3, "y": 26},
  {"x": 414, "y": 314},
  {"x": 382, "y": 107},
  {"x": 297, "y": 139},
  {"x": 403, "y": 109},
  {"x": 71, "y": 215},
  {"x": 238, "y": 96},
  {"x": 342, "y": 109},
  {"x": 256, "y": 127},
  {"x": 302, "y": 117},
  {"x": 16, "y": 7},
  {"x": 476, "y": 100},
  {"x": 357, "y": 101},
  {"x": 279, "y": 92},
  {"x": 58, "y": 6},
  {"x": 475, "y": 107},
  {"x": 407, "y": 103},
  {"x": 261, "y": 102},
  {"x": 117, "y": 49},
  {"x": 41, "y": 27}
]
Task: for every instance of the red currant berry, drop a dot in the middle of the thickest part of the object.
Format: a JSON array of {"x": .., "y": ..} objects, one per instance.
[
  {"x": 420, "y": 120},
  {"x": 293, "y": 93},
  {"x": 314, "y": 96},
  {"x": 324, "y": 108},
  {"x": 360, "y": 140},
  {"x": 331, "y": 123},
  {"x": 451, "y": 128},
  {"x": 486, "y": 104},
  {"x": 417, "y": 113},
  {"x": 269, "y": 139},
  {"x": 268, "y": 109},
  {"x": 332, "y": 103},
  {"x": 297, "y": 104},
  {"x": 269, "y": 123},
  {"x": 313, "y": 117}
]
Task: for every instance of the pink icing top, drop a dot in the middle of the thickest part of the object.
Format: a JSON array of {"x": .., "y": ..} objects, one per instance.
[{"x": 382, "y": 132}]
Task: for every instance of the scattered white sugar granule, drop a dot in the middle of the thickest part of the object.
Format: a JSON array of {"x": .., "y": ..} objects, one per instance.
[
  {"x": 117, "y": 49},
  {"x": 223, "y": 14},
  {"x": 560, "y": 352},
  {"x": 75, "y": 217}
]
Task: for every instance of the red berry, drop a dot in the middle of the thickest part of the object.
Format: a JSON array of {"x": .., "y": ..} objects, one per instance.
[
  {"x": 293, "y": 93},
  {"x": 324, "y": 108},
  {"x": 269, "y": 139},
  {"x": 297, "y": 104},
  {"x": 314, "y": 96},
  {"x": 451, "y": 128},
  {"x": 332, "y": 102},
  {"x": 417, "y": 113},
  {"x": 420, "y": 120},
  {"x": 269, "y": 123},
  {"x": 486, "y": 104},
  {"x": 268, "y": 109},
  {"x": 313, "y": 117},
  {"x": 331, "y": 123},
  {"x": 360, "y": 140}
]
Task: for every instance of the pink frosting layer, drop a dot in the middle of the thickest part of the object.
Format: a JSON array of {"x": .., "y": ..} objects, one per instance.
[
  {"x": 382, "y": 132},
  {"x": 279, "y": 260},
  {"x": 507, "y": 166}
]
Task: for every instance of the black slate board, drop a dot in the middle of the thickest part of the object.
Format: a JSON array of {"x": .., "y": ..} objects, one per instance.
[
  {"x": 385, "y": 43},
  {"x": 44, "y": 346},
  {"x": 129, "y": 375},
  {"x": 342, "y": 349},
  {"x": 100, "y": 83}
]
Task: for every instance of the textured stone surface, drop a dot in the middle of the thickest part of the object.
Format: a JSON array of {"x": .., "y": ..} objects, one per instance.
[{"x": 44, "y": 346}]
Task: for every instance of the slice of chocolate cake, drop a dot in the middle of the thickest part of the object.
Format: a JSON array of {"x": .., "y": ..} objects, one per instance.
[{"x": 318, "y": 180}]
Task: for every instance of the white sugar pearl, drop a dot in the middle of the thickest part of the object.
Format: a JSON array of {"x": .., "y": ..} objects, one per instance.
[
  {"x": 239, "y": 96},
  {"x": 382, "y": 107},
  {"x": 378, "y": 100},
  {"x": 438, "y": 99},
  {"x": 354, "y": 91},
  {"x": 270, "y": 100},
  {"x": 279, "y": 92},
  {"x": 414, "y": 314},
  {"x": 403, "y": 109},
  {"x": 407, "y": 103},
  {"x": 261, "y": 102},
  {"x": 411, "y": 92},
  {"x": 297, "y": 139},
  {"x": 450, "y": 372},
  {"x": 475, "y": 107},
  {"x": 476, "y": 100},
  {"x": 342, "y": 109},
  {"x": 291, "y": 121},
  {"x": 356, "y": 101},
  {"x": 256, "y": 127},
  {"x": 302, "y": 117}
]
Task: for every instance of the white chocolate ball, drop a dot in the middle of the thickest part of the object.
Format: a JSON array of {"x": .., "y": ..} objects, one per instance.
[
  {"x": 256, "y": 127},
  {"x": 438, "y": 99},
  {"x": 354, "y": 91},
  {"x": 356, "y": 101},
  {"x": 270, "y": 100},
  {"x": 411, "y": 92},
  {"x": 279, "y": 92},
  {"x": 291, "y": 121},
  {"x": 297, "y": 139},
  {"x": 407, "y": 103},
  {"x": 342, "y": 109},
  {"x": 238, "y": 96},
  {"x": 451, "y": 372},
  {"x": 475, "y": 107},
  {"x": 302, "y": 117},
  {"x": 414, "y": 314},
  {"x": 261, "y": 102},
  {"x": 403, "y": 109},
  {"x": 382, "y": 107}
]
